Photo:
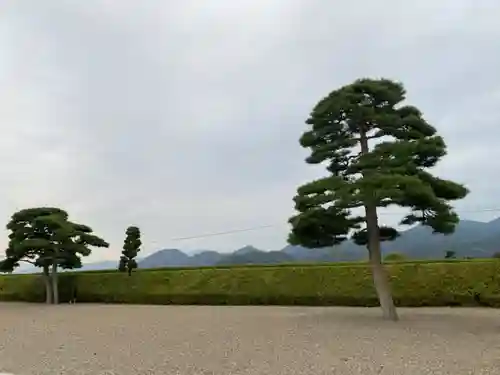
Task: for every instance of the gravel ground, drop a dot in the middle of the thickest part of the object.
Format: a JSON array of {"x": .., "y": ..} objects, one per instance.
[{"x": 188, "y": 340}]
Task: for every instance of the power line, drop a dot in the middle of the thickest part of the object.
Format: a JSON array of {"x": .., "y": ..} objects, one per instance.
[
  {"x": 223, "y": 233},
  {"x": 214, "y": 234}
]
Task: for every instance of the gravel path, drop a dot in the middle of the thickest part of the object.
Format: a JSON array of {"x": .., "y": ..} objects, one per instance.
[{"x": 168, "y": 340}]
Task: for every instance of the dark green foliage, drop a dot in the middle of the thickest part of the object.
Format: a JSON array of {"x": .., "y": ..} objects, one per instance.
[
  {"x": 131, "y": 248},
  {"x": 496, "y": 255},
  {"x": 29, "y": 238},
  {"x": 439, "y": 283},
  {"x": 394, "y": 257},
  {"x": 385, "y": 234},
  {"x": 318, "y": 226},
  {"x": 366, "y": 174},
  {"x": 449, "y": 254},
  {"x": 392, "y": 172},
  {"x": 46, "y": 238},
  {"x": 9, "y": 264}
]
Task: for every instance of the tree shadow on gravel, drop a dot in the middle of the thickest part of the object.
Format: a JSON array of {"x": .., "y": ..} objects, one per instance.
[{"x": 438, "y": 320}]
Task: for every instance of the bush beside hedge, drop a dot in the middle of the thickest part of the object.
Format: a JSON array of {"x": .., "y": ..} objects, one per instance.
[{"x": 469, "y": 283}]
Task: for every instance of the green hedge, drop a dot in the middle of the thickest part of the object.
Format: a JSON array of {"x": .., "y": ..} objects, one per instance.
[{"x": 466, "y": 283}]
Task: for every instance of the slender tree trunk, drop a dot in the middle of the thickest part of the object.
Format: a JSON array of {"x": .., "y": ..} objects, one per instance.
[
  {"x": 130, "y": 271},
  {"x": 380, "y": 277},
  {"x": 48, "y": 286},
  {"x": 55, "y": 284}
]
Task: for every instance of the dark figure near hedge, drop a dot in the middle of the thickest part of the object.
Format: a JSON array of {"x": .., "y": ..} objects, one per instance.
[{"x": 73, "y": 295}]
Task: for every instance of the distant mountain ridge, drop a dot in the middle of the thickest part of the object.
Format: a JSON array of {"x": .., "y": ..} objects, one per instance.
[{"x": 471, "y": 239}]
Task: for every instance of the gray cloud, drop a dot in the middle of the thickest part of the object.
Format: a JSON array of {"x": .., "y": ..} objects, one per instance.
[{"x": 183, "y": 117}]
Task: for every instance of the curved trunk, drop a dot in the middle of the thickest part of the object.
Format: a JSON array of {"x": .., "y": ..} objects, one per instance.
[
  {"x": 48, "y": 285},
  {"x": 380, "y": 277}
]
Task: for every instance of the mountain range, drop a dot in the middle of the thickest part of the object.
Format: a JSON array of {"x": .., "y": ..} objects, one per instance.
[{"x": 471, "y": 239}]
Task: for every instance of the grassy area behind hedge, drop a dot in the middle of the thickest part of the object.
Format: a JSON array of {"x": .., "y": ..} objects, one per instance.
[
  {"x": 298, "y": 264},
  {"x": 465, "y": 283}
]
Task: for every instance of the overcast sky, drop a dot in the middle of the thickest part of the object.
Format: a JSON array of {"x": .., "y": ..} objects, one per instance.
[{"x": 182, "y": 117}]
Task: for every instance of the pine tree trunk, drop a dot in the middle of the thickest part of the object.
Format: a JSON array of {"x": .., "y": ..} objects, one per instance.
[
  {"x": 380, "y": 277},
  {"x": 55, "y": 284},
  {"x": 48, "y": 286}
]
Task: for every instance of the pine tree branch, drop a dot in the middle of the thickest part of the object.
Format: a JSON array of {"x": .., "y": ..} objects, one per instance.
[{"x": 27, "y": 261}]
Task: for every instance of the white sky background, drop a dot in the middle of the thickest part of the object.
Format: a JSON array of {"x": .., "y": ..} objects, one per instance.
[{"x": 183, "y": 117}]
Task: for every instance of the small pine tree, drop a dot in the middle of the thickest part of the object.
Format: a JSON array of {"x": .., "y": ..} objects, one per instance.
[
  {"x": 44, "y": 237},
  {"x": 131, "y": 248}
]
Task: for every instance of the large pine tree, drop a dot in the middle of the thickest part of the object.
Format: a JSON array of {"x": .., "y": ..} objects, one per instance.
[{"x": 377, "y": 152}]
